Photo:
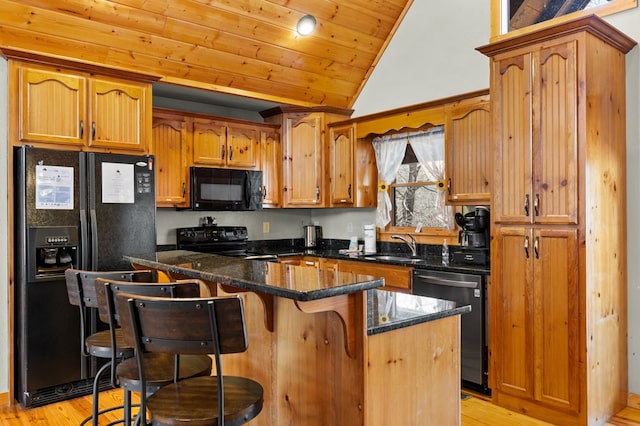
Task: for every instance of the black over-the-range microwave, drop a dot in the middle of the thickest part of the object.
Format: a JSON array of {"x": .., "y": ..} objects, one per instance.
[{"x": 217, "y": 189}]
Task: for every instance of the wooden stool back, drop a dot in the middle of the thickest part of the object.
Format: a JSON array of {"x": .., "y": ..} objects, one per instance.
[{"x": 192, "y": 326}]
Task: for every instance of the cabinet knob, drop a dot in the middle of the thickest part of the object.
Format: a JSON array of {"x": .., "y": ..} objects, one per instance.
[
  {"x": 526, "y": 247},
  {"x": 526, "y": 205}
]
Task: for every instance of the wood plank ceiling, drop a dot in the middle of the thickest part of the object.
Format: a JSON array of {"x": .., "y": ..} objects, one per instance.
[{"x": 242, "y": 47}]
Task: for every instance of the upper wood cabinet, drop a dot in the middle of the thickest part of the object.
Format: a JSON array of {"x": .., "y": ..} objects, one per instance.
[
  {"x": 342, "y": 166},
  {"x": 171, "y": 148},
  {"x": 220, "y": 143},
  {"x": 469, "y": 151},
  {"x": 304, "y": 161},
  {"x": 557, "y": 299},
  {"x": 73, "y": 108},
  {"x": 305, "y": 174},
  {"x": 537, "y": 161},
  {"x": 183, "y": 139},
  {"x": 271, "y": 160}
]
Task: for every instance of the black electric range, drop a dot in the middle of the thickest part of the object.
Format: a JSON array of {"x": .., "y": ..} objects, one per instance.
[{"x": 222, "y": 240}]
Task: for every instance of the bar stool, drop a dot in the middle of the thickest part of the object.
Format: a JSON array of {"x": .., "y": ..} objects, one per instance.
[
  {"x": 191, "y": 326},
  {"x": 81, "y": 293},
  {"x": 160, "y": 367}
]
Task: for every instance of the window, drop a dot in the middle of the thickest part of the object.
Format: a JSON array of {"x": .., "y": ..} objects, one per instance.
[
  {"x": 415, "y": 193},
  {"x": 411, "y": 169},
  {"x": 511, "y": 15}
]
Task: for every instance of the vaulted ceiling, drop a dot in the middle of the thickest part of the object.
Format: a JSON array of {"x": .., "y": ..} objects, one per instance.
[{"x": 243, "y": 47}]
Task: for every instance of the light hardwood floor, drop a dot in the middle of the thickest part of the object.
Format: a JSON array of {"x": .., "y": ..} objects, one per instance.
[{"x": 475, "y": 412}]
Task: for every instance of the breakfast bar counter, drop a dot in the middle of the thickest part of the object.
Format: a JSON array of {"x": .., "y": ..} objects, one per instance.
[{"x": 334, "y": 348}]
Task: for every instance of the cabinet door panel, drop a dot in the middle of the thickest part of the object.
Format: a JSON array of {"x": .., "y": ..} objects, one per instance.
[
  {"x": 118, "y": 114},
  {"x": 469, "y": 153},
  {"x": 209, "y": 143},
  {"x": 52, "y": 106},
  {"x": 303, "y": 161},
  {"x": 271, "y": 158},
  {"x": 556, "y": 319},
  {"x": 554, "y": 133},
  {"x": 342, "y": 165},
  {"x": 243, "y": 148},
  {"x": 169, "y": 147},
  {"x": 512, "y": 196},
  {"x": 512, "y": 331}
]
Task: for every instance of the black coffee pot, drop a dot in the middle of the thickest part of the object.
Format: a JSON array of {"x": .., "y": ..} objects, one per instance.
[{"x": 475, "y": 227}]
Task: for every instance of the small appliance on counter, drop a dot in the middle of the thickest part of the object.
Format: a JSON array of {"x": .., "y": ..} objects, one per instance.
[
  {"x": 473, "y": 237},
  {"x": 312, "y": 235},
  {"x": 369, "y": 239}
]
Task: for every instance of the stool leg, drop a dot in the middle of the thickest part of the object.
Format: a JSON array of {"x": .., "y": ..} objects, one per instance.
[
  {"x": 95, "y": 405},
  {"x": 127, "y": 407}
]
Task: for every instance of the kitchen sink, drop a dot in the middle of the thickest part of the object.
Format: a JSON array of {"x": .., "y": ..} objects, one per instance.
[{"x": 394, "y": 258}]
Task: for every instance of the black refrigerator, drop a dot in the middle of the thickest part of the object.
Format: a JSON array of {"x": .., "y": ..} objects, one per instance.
[{"x": 72, "y": 209}]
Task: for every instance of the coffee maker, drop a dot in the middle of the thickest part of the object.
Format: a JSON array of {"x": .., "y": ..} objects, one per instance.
[{"x": 473, "y": 237}]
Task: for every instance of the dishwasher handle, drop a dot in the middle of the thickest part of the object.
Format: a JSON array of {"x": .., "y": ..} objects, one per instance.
[{"x": 427, "y": 279}]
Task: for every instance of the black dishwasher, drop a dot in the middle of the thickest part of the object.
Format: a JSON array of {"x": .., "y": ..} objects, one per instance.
[{"x": 464, "y": 289}]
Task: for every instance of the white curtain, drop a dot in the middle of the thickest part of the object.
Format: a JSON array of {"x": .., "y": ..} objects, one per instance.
[
  {"x": 429, "y": 150},
  {"x": 389, "y": 155}
]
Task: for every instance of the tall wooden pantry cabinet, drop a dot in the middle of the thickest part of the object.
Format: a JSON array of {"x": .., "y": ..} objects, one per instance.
[{"x": 558, "y": 294}]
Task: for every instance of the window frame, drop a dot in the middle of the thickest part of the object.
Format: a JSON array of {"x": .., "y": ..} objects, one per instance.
[
  {"x": 500, "y": 10},
  {"x": 426, "y": 235}
]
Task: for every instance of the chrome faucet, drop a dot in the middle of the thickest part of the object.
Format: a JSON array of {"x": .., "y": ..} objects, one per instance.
[{"x": 409, "y": 240}]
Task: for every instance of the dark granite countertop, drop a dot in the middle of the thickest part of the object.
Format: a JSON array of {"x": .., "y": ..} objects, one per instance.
[
  {"x": 389, "y": 310},
  {"x": 426, "y": 262},
  {"x": 289, "y": 281},
  {"x": 386, "y": 310}
]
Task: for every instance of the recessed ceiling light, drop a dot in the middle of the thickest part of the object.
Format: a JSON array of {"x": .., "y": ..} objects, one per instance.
[{"x": 306, "y": 25}]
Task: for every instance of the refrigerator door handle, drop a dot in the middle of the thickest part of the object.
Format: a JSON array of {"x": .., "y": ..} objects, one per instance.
[
  {"x": 94, "y": 240},
  {"x": 84, "y": 240}
]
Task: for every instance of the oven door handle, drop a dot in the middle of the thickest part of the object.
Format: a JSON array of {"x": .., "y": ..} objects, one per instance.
[{"x": 449, "y": 283}]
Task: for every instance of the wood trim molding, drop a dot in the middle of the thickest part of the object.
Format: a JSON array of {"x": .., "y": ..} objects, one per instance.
[{"x": 77, "y": 66}]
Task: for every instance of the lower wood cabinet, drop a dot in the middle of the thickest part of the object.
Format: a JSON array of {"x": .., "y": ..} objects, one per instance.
[
  {"x": 396, "y": 278},
  {"x": 536, "y": 327}
]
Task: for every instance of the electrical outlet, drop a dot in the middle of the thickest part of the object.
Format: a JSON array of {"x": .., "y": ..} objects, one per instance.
[
  {"x": 349, "y": 227},
  {"x": 265, "y": 227}
]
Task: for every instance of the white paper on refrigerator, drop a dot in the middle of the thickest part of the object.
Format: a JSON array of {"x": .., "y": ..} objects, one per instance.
[
  {"x": 54, "y": 187},
  {"x": 117, "y": 183}
]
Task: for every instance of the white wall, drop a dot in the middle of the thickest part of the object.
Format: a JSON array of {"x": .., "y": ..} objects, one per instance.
[
  {"x": 283, "y": 223},
  {"x": 431, "y": 56}
]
